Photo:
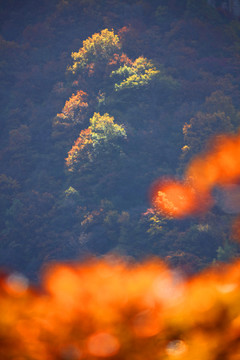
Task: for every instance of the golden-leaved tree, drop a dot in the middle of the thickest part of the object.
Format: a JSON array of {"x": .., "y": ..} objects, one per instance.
[
  {"x": 102, "y": 136},
  {"x": 96, "y": 52},
  {"x": 74, "y": 110},
  {"x": 140, "y": 73}
]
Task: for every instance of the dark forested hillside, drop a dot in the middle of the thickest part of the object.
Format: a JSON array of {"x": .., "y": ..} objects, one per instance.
[{"x": 99, "y": 99}]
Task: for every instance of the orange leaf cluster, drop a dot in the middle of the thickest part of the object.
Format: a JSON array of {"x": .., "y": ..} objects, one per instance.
[
  {"x": 108, "y": 309},
  {"x": 219, "y": 166},
  {"x": 74, "y": 109},
  {"x": 83, "y": 140},
  {"x": 178, "y": 199},
  {"x": 122, "y": 59}
]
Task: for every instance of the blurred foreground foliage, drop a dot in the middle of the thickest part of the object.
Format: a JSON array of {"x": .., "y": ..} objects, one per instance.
[{"x": 114, "y": 309}]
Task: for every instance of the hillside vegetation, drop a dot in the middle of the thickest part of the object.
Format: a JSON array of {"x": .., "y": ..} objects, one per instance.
[{"x": 100, "y": 99}]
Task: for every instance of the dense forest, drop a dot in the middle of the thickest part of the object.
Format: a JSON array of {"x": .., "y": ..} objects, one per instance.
[
  {"x": 119, "y": 179},
  {"x": 99, "y": 100}
]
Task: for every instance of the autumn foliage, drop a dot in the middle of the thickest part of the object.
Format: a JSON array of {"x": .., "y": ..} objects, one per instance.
[
  {"x": 96, "y": 51},
  {"x": 82, "y": 141},
  {"x": 114, "y": 310},
  {"x": 128, "y": 91},
  {"x": 74, "y": 110},
  {"x": 178, "y": 199},
  {"x": 101, "y": 132},
  {"x": 219, "y": 166}
]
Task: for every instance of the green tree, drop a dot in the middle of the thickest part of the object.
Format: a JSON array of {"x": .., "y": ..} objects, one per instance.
[
  {"x": 105, "y": 132},
  {"x": 227, "y": 252},
  {"x": 219, "y": 102},
  {"x": 200, "y": 129},
  {"x": 102, "y": 137},
  {"x": 141, "y": 73},
  {"x": 96, "y": 52}
]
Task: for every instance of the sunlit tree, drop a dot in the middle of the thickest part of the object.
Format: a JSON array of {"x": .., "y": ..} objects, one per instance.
[
  {"x": 74, "y": 110},
  {"x": 102, "y": 136},
  {"x": 96, "y": 52},
  {"x": 105, "y": 131},
  {"x": 140, "y": 73},
  {"x": 79, "y": 150}
]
